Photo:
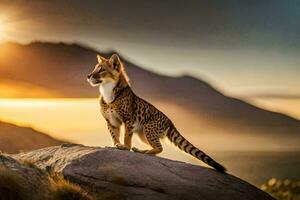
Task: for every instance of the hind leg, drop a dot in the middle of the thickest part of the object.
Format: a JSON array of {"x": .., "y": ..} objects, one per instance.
[
  {"x": 153, "y": 138},
  {"x": 155, "y": 144}
]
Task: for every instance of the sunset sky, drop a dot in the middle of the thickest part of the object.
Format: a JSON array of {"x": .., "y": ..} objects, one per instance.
[{"x": 249, "y": 49}]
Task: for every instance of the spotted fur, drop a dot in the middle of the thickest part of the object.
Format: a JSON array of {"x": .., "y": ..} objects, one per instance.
[{"x": 138, "y": 116}]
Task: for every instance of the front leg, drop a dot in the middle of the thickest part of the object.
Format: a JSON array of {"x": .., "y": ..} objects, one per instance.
[
  {"x": 115, "y": 134},
  {"x": 128, "y": 136}
]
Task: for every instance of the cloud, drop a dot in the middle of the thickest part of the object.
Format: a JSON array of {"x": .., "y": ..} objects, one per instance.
[{"x": 210, "y": 24}]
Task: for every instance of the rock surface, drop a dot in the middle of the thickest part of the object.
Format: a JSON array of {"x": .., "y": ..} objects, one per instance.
[{"x": 109, "y": 173}]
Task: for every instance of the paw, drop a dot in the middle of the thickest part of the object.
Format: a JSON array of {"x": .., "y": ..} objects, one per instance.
[
  {"x": 122, "y": 147},
  {"x": 138, "y": 150},
  {"x": 135, "y": 149}
]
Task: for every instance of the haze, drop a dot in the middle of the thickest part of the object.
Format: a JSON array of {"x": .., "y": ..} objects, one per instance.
[{"x": 243, "y": 47}]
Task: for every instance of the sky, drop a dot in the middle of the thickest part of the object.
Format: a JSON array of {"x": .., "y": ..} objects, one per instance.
[{"x": 245, "y": 48}]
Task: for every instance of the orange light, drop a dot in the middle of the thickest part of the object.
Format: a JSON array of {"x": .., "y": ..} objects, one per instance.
[
  {"x": 2, "y": 31},
  {"x": 6, "y": 26}
]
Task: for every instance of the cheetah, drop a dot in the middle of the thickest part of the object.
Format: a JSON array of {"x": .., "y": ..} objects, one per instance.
[{"x": 120, "y": 105}]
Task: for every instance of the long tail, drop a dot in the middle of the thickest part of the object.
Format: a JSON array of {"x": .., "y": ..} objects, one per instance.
[{"x": 183, "y": 144}]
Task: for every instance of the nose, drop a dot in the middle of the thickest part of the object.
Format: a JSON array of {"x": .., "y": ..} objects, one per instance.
[{"x": 89, "y": 76}]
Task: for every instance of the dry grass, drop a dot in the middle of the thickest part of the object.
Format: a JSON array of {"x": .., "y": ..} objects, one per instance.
[
  {"x": 11, "y": 187},
  {"x": 282, "y": 189},
  {"x": 65, "y": 190},
  {"x": 28, "y": 163},
  {"x": 31, "y": 164}
]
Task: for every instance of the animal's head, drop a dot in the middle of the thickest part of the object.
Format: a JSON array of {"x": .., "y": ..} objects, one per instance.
[{"x": 106, "y": 71}]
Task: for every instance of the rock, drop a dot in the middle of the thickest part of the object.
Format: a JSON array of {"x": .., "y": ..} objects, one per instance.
[
  {"x": 21, "y": 181},
  {"x": 110, "y": 173}
]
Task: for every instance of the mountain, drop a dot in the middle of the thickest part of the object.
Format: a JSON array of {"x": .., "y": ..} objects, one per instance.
[
  {"x": 16, "y": 138},
  {"x": 59, "y": 70}
]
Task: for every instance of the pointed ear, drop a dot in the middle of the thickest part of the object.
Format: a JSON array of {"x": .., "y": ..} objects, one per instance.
[
  {"x": 115, "y": 61},
  {"x": 100, "y": 59}
]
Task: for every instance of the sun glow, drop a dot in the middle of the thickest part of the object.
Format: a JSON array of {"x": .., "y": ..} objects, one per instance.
[
  {"x": 2, "y": 31},
  {"x": 4, "y": 28},
  {"x": 8, "y": 24}
]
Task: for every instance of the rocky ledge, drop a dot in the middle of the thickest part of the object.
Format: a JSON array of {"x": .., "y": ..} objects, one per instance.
[{"x": 108, "y": 173}]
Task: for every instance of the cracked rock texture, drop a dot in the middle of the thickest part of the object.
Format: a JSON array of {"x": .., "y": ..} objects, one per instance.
[{"x": 110, "y": 173}]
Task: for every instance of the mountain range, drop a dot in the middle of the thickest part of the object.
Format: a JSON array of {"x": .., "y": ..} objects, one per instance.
[
  {"x": 14, "y": 139},
  {"x": 46, "y": 70}
]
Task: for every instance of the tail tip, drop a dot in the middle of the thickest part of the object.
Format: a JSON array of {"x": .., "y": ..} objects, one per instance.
[{"x": 219, "y": 168}]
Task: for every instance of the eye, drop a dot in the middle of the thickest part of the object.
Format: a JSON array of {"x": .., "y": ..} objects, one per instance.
[{"x": 101, "y": 70}]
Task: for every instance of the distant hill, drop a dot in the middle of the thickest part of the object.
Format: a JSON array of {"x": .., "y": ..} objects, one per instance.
[
  {"x": 59, "y": 70},
  {"x": 14, "y": 139}
]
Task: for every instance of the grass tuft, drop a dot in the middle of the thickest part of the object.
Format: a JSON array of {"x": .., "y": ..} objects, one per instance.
[
  {"x": 11, "y": 187},
  {"x": 282, "y": 189},
  {"x": 31, "y": 164},
  {"x": 65, "y": 190}
]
